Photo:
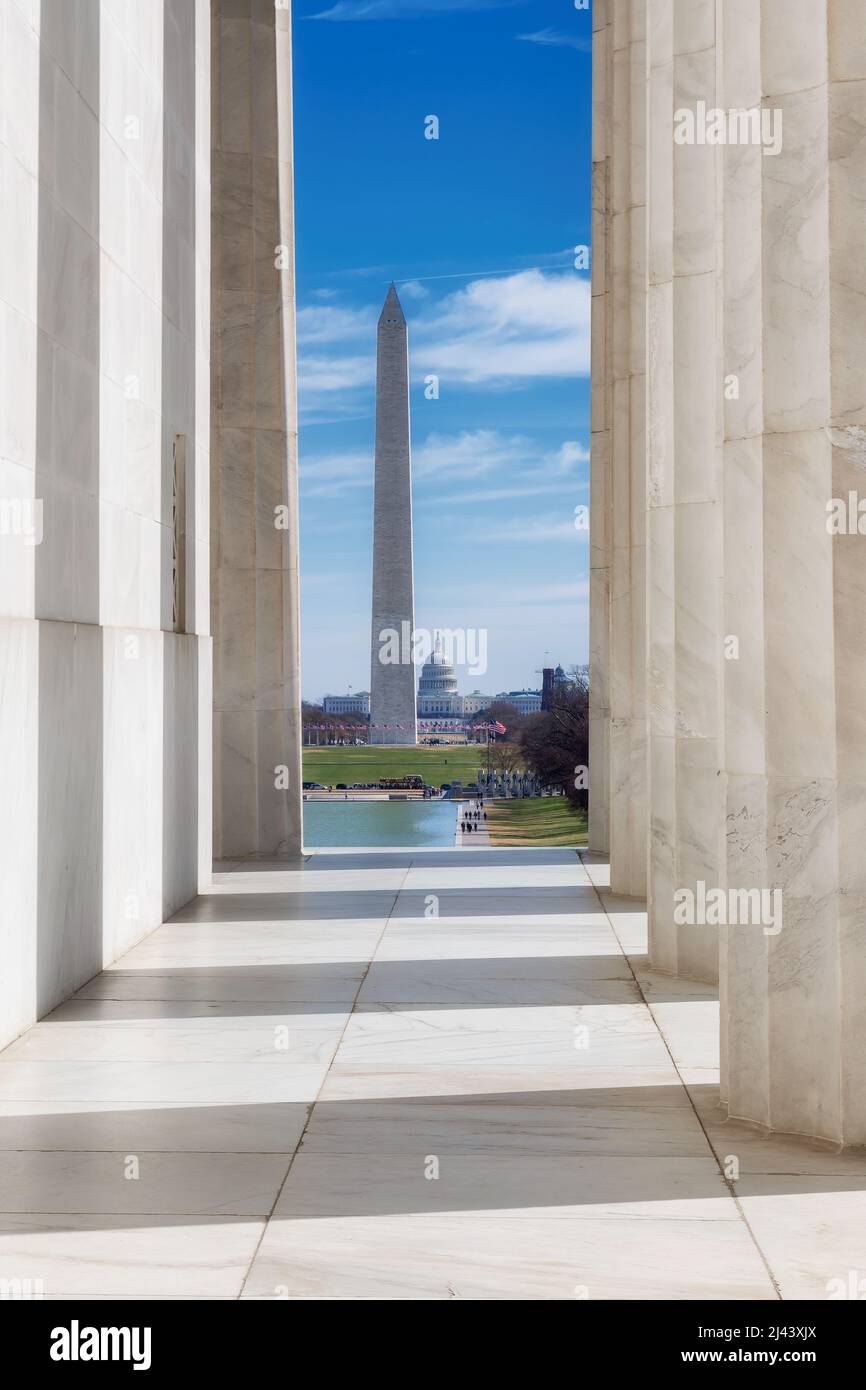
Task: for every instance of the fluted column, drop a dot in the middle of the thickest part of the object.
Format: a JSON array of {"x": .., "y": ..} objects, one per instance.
[
  {"x": 683, "y": 489},
  {"x": 599, "y": 531},
  {"x": 796, "y": 1023},
  {"x": 755, "y": 343},
  {"x": 745, "y": 1038},
  {"x": 618, "y": 789},
  {"x": 846, "y": 97},
  {"x": 255, "y": 598}
]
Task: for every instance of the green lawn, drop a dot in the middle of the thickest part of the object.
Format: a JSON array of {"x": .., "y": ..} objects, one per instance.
[
  {"x": 536, "y": 821},
  {"x": 436, "y": 765}
]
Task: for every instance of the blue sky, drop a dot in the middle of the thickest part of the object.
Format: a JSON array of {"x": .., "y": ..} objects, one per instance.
[{"x": 478, "y": 229}]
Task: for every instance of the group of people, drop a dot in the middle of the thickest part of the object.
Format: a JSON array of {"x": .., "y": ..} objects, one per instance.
[{"x": 472, "y": 817}]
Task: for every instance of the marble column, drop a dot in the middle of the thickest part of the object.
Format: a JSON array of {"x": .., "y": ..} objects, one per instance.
[
  {"x": 104, "y": 327},
  {"x": 685, "y": 647},
  {"x": 795, "y": 1019},
  {"x": 618, "y": 485},
  {"x": 599, "y": 588},
  {"x": 254, "y": 539},
  {"x": 756, "y": 575}
]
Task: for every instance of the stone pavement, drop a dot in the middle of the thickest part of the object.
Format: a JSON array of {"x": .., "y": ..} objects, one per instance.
[{"x": 410, "y": 1074}]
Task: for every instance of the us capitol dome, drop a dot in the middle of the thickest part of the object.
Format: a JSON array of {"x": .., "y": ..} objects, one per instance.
[{"x": 437, "y": 688}]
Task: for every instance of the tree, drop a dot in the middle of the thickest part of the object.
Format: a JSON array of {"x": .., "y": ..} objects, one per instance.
[
  {"x": 555, "y": 743},
  {"x": 331, "y": 728},
  {"x": 505, "y": 756},
  {"x": 506, "y": 714}
]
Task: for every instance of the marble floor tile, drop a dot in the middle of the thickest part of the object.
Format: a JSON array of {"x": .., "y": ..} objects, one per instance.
[
  {"x": 119, "y": 1257},
  {"x": 493, "y": 982},
  {"x": 549, "y": 879},
  {"x": 420, "y": 939},
  {"x": 812, "y": 1230},
  {"x": 517, "y": 1259},
  {"x": 311, "y": 880},
  {"x": 299, "y": 983},
  {"x": 494, "y": 905},
  {"x": 639, "y": 1121},
  {"x": 199, "y": 1016},
  {"x": 274, "y": 1079},
  {"x": 459, "y": 1078},
  {"x": 180, "y": 1044},
  {"x": 360, "y": 1185},
  {"x": 515, "y": 1227},
  {"x": 149, "y": 1127},
  {"x": 300, "y": 905},
  {"x": 691, "y": 1030},
  {"x": 194, "y": 1184},
  {"x": 591, "y": 1035},
  {"x": 415, "y": 1043},
  {"x": 225, "y": 946}
]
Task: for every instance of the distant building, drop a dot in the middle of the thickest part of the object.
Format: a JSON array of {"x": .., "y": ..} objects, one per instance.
[
  {"x": 437, "y": 689},
  {"x": 524, "y": 701},
  {"x": 438, "y": 698},
  {"x": 553, "y": 678},
  {"x": 476, "y": 702},
  {"x": 348, "y": 704}
]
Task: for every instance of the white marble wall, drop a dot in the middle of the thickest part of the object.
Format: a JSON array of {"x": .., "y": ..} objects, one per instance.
[
  {"x": 755, "y": 615},
  {"x": 255, "y": 584},
  {"x": 104, "y": 290}
]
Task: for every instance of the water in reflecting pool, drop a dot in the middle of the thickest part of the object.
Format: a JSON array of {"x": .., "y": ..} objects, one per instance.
[{"x": 391, "y": 823}]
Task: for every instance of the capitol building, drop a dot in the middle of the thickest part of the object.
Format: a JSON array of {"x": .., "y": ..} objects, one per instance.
[
  {"x": 438, "y": 698},
  {"x": 437, "y": 689}
]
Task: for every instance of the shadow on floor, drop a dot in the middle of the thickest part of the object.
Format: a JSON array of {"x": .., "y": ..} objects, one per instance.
[{"x": 581, "y": 1148}]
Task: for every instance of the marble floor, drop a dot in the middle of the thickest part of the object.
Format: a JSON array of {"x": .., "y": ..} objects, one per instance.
[{"x": 403, "y": 1074}]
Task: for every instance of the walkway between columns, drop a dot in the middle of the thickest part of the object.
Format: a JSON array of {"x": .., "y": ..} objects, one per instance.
[{"x": 402, "y": 1074}]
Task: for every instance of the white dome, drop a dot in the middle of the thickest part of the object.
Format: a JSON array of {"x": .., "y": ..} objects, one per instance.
[{"x": 437, "y": 676}]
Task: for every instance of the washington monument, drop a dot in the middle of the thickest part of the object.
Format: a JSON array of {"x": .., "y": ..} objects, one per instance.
[{"x": 392, "y": 679}]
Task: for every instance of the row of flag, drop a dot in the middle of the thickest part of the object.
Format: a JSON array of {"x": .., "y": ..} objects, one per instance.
[{"x": 494, "y": 726}]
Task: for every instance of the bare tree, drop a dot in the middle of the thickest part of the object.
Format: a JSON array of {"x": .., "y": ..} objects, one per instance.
[{"x": 555, "y": 743}]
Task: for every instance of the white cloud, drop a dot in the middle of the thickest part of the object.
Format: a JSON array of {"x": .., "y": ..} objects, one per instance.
[
  {"x": 553, "y": 38},
  {"x": 319, "y": 323},
  {"x": 500, "y": 331},
  {"x": 492, "y": 493},
  {"x": 403, "y": 9},
  {"x": 512, "y": 328},
  {"x": 514, "y": 464},
  {"x": 468, "y": 454},
  {"x": 546, "y": 529},
  {"x": 317, "y": 375},
  {"x": 328, "y": 475},
  {"x": 413, "y": 289},
  {"x": 569, "y": 455}
]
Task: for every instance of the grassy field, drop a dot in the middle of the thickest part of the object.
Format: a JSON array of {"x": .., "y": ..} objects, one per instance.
[
  {"x": 457, "y": 762},
  {"x": 536, "y": 821}
]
